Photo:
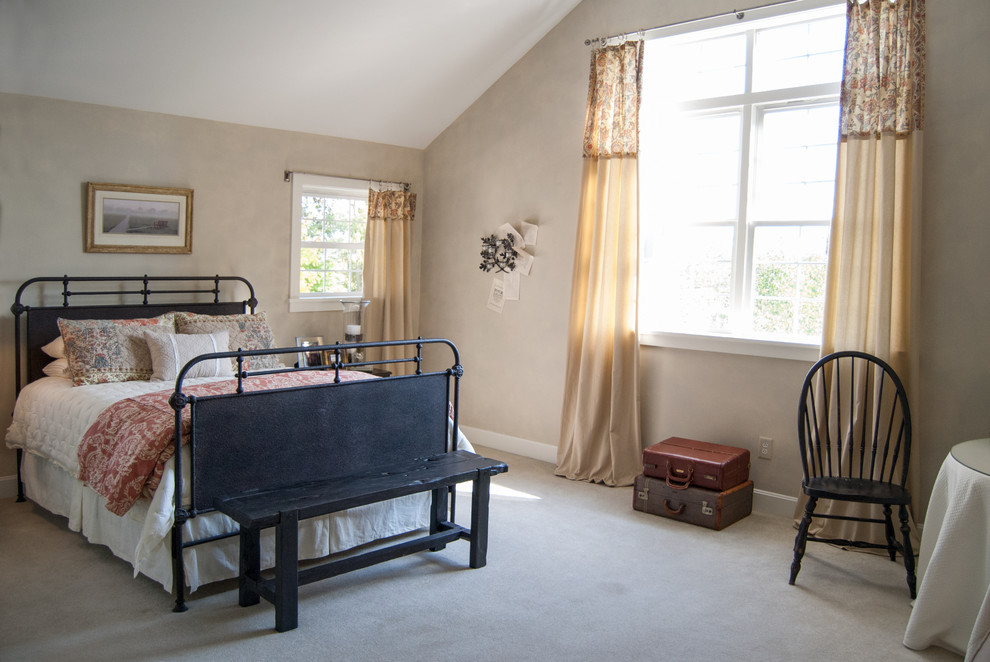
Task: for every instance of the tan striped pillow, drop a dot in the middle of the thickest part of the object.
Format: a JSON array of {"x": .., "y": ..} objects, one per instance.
[
  {"x": 247, "y": 331},
  {"x": 169, "y": 352}
]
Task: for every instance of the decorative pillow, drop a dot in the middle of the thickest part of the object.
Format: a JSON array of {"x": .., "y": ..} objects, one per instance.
[
  {"x": 246, "y": 332},
  {"x": 58, "y": 368},
  {"x": 101, "y": 351},
  {"x": 55, "y": 349},
  {"x": 169, "y": 352}
]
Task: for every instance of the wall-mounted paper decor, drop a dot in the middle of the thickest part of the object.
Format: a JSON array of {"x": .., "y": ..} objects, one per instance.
[
  {"x": 502, "y": 252},
  {"x": 138, "y": 219},
  {"x": 497, "y": 253}
]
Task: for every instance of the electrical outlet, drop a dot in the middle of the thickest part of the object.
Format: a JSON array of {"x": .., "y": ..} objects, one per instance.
[{"x": 766, "y": 448}]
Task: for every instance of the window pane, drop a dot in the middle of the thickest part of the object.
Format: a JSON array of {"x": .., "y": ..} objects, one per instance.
[
  {"x": 338, "y": 259},
  {"x": 338, "y": 281},
  {"x": 709, "y": 68},
  {"x": 356, "y": 282},
  {"x": 312, "y": 229},
  {"x": 312, "y": 282},
  {"x": 339, "y": 231},
  {"x": 788, "y": 290},
  {"x": 686, "y": 283},
  {"x": 690, "y": 171},
  {"x": 795, "y": 164},
  {"x": 803, "y": 54},
  {"x": 314, "y": 206},
  {"x": 312, "y": 259}
]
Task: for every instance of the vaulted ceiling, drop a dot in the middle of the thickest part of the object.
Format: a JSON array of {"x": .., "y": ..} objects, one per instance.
[{"x": 388, "y": 71}]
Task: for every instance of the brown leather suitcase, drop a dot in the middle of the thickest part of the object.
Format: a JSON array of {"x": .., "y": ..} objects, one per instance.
[
  {"x": 695, "y": 505},
  {"x": 690, "y": 463}
]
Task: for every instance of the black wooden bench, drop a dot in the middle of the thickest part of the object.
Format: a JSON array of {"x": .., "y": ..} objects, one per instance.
[{"x": 283, "y": 507}]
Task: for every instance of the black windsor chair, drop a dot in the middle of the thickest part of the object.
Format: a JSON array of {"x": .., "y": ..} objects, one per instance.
[{"x": 854, "y": 427}]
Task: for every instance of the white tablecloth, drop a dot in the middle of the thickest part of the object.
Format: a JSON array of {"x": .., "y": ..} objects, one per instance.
[{"x": 952, "y": 609}]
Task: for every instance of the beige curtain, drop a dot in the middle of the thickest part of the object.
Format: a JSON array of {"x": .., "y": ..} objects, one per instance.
[
  {"x": 600, "y": 433},
  {"x": 387, "y": 269},
  {"x": 872, "y": 294}
]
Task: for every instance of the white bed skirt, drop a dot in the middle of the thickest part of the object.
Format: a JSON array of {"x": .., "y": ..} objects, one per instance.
[{"x": 145, "y": 543}]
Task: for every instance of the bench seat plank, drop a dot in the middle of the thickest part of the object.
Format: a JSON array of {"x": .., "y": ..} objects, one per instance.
[{"x": 262, "y": 508}]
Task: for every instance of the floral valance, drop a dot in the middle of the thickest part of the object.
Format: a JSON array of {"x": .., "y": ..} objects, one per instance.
[
  {"x": 391, "y": 205},
  {"x": 883, "y": 85},
  {"x": 612, "y": 122}
]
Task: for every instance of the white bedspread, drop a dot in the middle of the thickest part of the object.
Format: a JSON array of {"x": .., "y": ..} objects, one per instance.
[
  {"x": 50, "y": 418},
  {"x": 51, "y": 415}
]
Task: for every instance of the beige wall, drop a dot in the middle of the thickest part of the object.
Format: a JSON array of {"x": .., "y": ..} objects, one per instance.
[
  {"x": 516, "y": 155},
  {"x": 50, "y": 149}
]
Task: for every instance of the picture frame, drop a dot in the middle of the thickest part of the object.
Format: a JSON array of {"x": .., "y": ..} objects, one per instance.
[
  {"x": 121, "y": 218},
  {"x": 309, "y": 359}
]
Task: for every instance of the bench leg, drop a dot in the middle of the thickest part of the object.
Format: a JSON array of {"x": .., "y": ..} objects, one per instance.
[
  {"x": 250, "y": 566},
  {"x": 479, "y": 520},
  {"x": 438, "y": 513},
  {"x": 287, "y": 571}
]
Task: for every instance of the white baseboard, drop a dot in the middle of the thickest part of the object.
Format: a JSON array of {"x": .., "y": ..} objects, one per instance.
[
  {"x": 769, "y": 503},
  {"x": 772, "y": 503},
  {"x": 8, "y": 486},
  {"x": 504, "y": 442}
]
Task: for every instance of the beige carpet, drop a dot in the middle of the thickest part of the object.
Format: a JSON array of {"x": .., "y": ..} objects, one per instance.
[{"x": 574, "y": 573}]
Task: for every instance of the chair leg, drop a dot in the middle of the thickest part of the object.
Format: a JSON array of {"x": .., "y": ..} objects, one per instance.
[
  {"x": 802, "y": 538},
  {"x": 912, "y": 580},
  {"x": 889, "y": 530}
]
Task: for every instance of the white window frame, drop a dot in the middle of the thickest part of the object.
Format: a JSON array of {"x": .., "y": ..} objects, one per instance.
[
  {"x": 306, "y": 184},
  {"x": 757, "y": 103}
]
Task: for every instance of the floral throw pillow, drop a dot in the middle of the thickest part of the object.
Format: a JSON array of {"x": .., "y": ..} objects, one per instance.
[
  {"x": 102, "y": 351},
  {"x": 245, "y": 331}
]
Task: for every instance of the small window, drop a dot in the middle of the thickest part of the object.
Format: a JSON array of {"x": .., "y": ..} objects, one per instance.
[{"x": 329, "y": 219}]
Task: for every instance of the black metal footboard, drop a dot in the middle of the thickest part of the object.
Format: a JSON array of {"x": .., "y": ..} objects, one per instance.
[{"x": 265, "y": 439}]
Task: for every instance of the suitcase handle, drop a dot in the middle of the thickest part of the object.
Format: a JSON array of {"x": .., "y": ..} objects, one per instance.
[
  {"x": 675, "y": 483},
  {"x": 671, "y": 511}
]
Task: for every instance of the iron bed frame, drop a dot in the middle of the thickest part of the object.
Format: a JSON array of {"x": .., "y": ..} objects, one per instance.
[{"x": 340, "y": 419}]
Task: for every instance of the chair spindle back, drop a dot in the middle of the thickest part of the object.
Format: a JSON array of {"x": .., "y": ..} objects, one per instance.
[{"x": 854, "y": 420}]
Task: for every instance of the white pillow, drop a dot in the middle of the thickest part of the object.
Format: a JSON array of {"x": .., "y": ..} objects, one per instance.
[
  {"x": 55, "y": 349},
  {"x": 58, "y": 368},
  {"x": 169, "y": 352}
]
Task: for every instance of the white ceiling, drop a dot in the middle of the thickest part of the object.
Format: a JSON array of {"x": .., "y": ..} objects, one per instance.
[{"x": 388, "y": 71}]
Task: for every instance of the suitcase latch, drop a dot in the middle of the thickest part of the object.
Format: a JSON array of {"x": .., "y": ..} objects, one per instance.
[
  {"x": 706, "y": 509},
  {"x": 643, "y": 494}
]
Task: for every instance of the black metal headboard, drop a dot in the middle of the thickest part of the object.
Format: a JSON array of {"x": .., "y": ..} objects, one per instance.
[{"x": 133, "y": 297}]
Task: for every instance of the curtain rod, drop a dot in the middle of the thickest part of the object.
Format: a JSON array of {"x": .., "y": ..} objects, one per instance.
[
  {"x": 739, "y": 14},
  {"x": 405, "y": 185}
]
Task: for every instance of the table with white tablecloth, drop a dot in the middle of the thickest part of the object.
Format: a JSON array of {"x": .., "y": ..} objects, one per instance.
[{"x": 952, "y": 609}]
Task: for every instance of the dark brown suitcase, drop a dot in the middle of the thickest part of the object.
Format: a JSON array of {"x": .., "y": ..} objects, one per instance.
[
  {"x": 695, "y": 505},
  {"x": 690, "y": 463}
]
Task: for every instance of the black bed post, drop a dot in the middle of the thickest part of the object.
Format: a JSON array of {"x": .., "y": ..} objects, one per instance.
[
  {"x": 178, "y": 402},
  {"x": 178, "y": 569},
  {"x": 18, "y": 309},
  {"x": 20, "y": 483}
]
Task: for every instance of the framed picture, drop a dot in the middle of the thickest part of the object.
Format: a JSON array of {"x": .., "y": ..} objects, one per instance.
[
  {"x": 138, "y": 219},
  {"x": 309, "y": 359}
]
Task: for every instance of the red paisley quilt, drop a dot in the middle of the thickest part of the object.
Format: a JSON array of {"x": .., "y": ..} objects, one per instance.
[{"x": 123, "y": 454}]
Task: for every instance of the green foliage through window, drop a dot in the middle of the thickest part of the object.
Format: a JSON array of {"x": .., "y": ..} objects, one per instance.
[{"x": 331, "y": 257}]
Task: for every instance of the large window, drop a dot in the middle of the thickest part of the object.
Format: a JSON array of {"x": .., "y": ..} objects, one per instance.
[
  {"x": 329, "y": 218},
  {"x": 739, "y": 133}
]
